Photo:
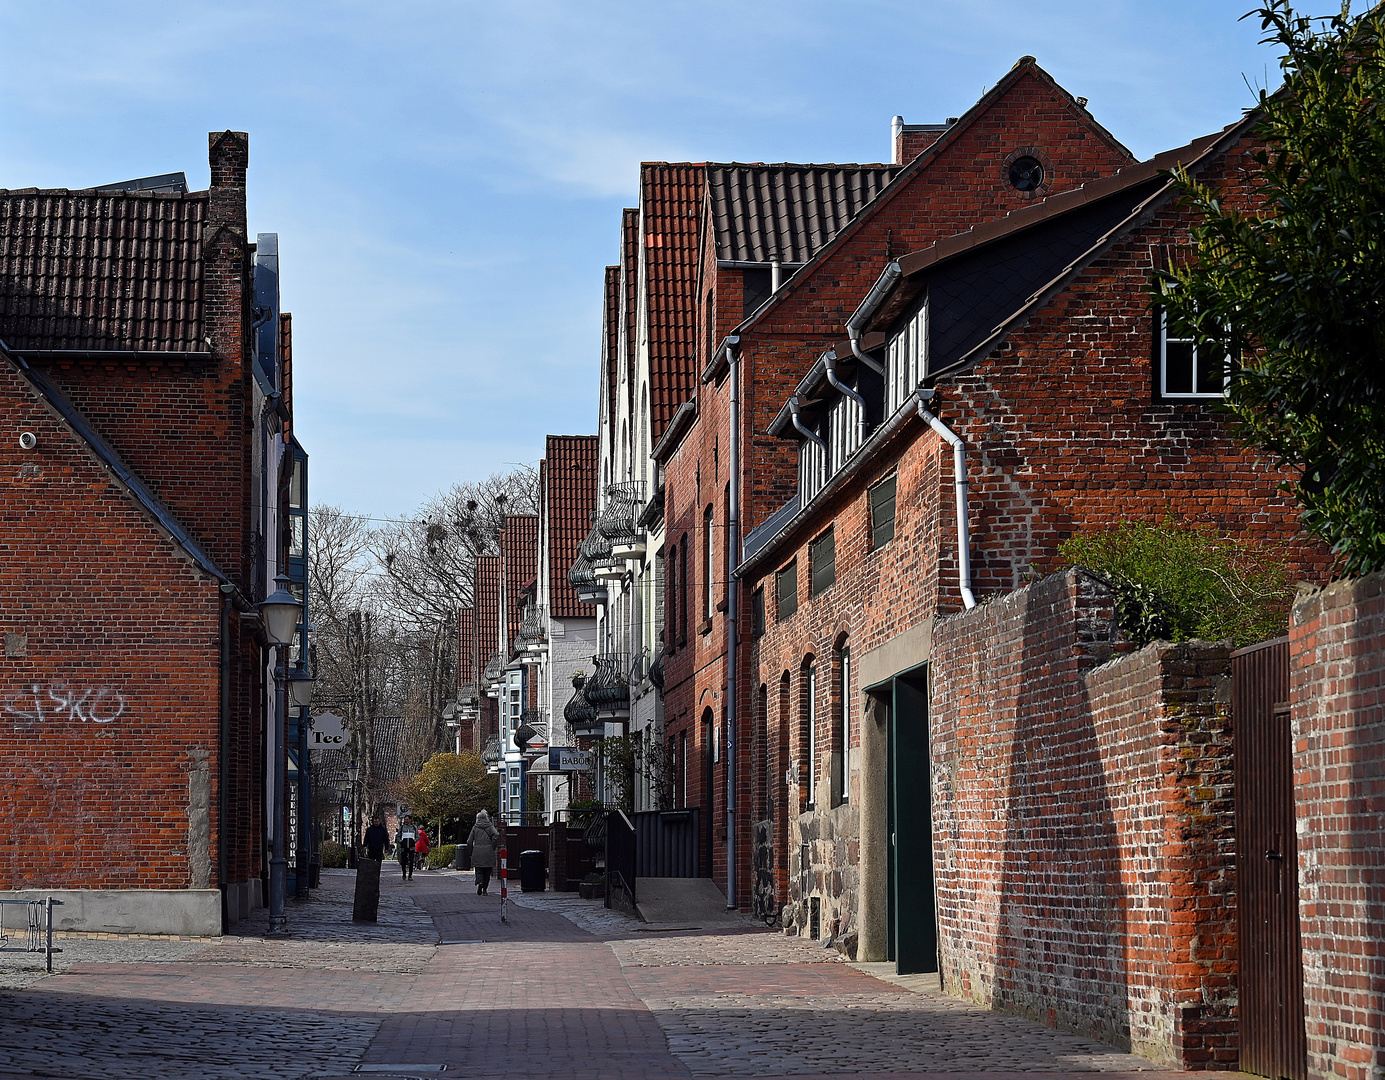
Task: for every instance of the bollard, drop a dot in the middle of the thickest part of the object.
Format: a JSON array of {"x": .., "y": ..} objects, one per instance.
[
  {"x": 366, "y": 906},
  {"x": 504, "y": 879}
]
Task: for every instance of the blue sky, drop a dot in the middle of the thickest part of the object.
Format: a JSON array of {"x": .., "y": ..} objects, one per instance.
[{"x": 446, "y": 178}]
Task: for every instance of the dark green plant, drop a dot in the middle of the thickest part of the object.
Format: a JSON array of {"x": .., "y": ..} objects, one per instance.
[
  {"x": 1174, "y": 582},
  {"x": 1290, "y": 281},
  {"x": 441, "y": 855},
  {"x": 333, "y": 855}
]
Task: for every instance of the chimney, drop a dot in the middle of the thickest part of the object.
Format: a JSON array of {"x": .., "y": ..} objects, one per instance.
[
  {"x": 228, "y": 153},
  {"x": 897, "y": 140}
]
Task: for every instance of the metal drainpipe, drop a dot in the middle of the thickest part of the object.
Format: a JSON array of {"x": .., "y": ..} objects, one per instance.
[
  {"x": 797, "y": 423},
  {"x": 733, "y": 555},
  {"x": 829, "y": 360},
  {"x": 862, "y": 315},
  {"x": 959, "y": 471}
]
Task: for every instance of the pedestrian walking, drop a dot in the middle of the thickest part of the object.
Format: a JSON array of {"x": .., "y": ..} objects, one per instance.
[
  {"x": 404, "y": 842},
  {"x": 481, "y": 844},
  {"x": 376, "y": 837},
  {"x": 421, "y": 848}
]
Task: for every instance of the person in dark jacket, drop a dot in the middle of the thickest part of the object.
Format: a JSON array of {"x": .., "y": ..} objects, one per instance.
[
  {"x": 376, "y": 837},
  {"x": 482, "y": 844}
]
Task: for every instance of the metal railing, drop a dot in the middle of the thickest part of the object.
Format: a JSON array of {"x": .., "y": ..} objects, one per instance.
[
  {"x": 580, "y": 574},
  {"x": 531, "y": 627},
  {"x": 608, "y": 688},
  {"x": 494, "y": 670},
  {"x": 490, "y": 754},
  {"x": 38, "y": 929},
  {"x": 596, "y": 547},
  {"x": 580, "y": 713},
  {"x": 618, "y": 516},
  {"x": 532, "y": 722}
]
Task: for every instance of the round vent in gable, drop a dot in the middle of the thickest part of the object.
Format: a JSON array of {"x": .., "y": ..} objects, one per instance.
[{"x": 1026, "y": 173}]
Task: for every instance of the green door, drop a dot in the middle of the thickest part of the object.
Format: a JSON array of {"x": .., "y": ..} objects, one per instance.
[{"x": 912, "y": 909}]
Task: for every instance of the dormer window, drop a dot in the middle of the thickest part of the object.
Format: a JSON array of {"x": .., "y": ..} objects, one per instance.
[{"x": 906, "y": 360}]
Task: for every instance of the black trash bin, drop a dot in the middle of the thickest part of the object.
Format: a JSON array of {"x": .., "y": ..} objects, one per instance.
[{"x": 533, "y": 871}]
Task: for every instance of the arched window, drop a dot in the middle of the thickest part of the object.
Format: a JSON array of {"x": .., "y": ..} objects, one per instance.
[
  {"x": 707, "y": 565},
  {"x": 841, "y": 756},
  {"x": 810, "y": 733}
]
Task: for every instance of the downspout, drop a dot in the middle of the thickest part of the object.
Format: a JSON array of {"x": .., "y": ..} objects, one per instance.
[
  {"x": 733, "y": 558},
  {"x": 793, "y": 415},
  {"x": 862, "y": 315},
  {"x": 829, "y": 361},
  {"x": 223, "y": 763},
  {"x": 959, "y": 471}
]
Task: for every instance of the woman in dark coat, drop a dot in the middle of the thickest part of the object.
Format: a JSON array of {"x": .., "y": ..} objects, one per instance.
[{"x": 482, "y": 843}]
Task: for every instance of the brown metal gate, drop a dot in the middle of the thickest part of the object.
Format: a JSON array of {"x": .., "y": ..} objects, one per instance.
[{"x": 1271, "y": 963}]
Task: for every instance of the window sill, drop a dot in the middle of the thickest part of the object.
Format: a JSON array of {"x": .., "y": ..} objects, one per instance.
[{"x": 705, "y": 628}]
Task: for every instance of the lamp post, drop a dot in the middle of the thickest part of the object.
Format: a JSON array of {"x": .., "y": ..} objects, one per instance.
[
  {"x": 352, "y": 771},
  {"x": 301, "y": 694},
  {"x": 279, "y": 611}
]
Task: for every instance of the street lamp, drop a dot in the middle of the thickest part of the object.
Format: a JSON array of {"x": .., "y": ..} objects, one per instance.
[
  {"x": 301, "y": 685},
  {"x": 279, "y": 611}
]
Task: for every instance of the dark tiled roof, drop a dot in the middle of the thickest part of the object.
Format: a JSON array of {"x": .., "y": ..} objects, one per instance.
[
  {"x": 671, "y": 204},
  {"x": 387, "y": 762},
  {"x": 487, "y": 607},
  {"x": 519, "y": 543},
  {"x": 82, "y": 270},
  {"x": 570, "y": 498},
  {"x": 786, "y": 212}
]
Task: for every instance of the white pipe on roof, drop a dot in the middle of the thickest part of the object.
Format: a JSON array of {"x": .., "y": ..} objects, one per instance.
[
  {"x": 829, "y": 363},
  {"x": 854, "y": 325}
]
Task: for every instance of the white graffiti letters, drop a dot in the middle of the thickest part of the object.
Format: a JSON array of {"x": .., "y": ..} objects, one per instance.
[{"x": 58, "y": 701}]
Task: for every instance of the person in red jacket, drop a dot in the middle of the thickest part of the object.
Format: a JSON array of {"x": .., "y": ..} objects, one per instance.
[{"x": 421, "y": 848}]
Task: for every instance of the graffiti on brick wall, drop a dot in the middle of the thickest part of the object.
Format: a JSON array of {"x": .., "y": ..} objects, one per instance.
[{"x": 57, "y": 701}]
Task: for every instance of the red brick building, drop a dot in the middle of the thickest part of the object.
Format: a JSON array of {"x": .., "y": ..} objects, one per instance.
[
  {"x": 782, "y": 268},
  {"x": 929, "y": 783},
  {"x": 148, "y": 472}
]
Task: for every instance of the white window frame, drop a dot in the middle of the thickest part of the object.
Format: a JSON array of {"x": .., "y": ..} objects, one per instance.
[
  {"x": 906, "y": 360},
  {"x": 1177, "y": 395}
]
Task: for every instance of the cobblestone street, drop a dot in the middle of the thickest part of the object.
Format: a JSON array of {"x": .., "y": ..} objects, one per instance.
[{"x": 563, "y": 988}]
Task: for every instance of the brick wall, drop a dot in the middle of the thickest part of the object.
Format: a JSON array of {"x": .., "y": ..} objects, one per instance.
[
  {"x": 1084, "y": 824},
  {"x": 1337, "y": 649},
  {"x": 108, "y": 680}
]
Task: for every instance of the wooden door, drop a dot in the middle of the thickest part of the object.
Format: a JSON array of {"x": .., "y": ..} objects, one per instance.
[{"x": 1273, "y": 1042}]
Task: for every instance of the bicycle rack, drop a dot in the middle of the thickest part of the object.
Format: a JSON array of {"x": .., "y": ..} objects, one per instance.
[{"x": 38, "y": 930}]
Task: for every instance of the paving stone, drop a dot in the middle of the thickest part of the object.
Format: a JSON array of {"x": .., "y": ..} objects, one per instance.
[{"x": 562, "y": 988}]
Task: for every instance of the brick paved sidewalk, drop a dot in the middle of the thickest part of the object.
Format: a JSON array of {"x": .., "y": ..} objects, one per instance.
[{"x": 563, "y": 988}]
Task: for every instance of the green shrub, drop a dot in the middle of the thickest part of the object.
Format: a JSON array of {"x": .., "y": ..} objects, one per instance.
[
  {"x": 333, "y": 855},
  {"x": 441, "y": 856},
  {"x": 1174, "y": 582}
]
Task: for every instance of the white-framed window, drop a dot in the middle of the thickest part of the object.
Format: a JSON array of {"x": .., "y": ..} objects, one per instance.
[
  {"x": 844, "y": 431},
  {"x": 812, "y": 470},
  {"x": 1187, "y": 372},
  {"x": 906, "y": 360}
]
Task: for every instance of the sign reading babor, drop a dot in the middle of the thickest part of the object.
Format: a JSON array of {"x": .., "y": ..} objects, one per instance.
[
  {"x": 326, "y": 731},
  {"x": 566, "y": 759}
]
